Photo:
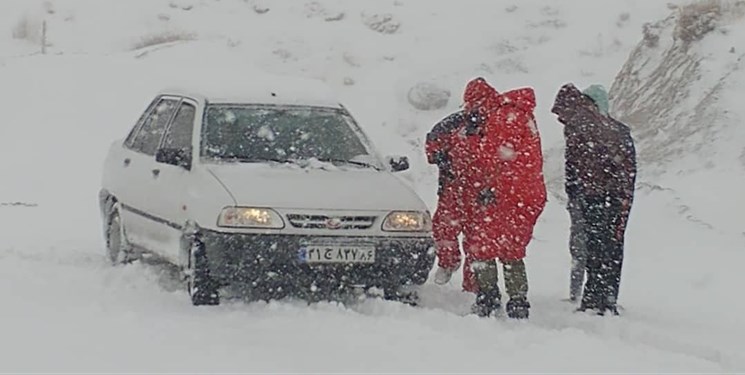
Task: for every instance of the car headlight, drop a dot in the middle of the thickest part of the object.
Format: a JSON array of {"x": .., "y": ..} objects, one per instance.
[
  {"x": 250, "y": 217},
  {"x": 407, "y": 221}
]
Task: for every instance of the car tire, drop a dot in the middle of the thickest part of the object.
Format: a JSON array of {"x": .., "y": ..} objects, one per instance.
[
  {"x": 202, "y": 289},
  {"x": 118, "y": 249}
]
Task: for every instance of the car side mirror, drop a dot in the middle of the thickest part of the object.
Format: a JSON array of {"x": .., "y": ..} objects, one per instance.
[
  {"x": 174, "y": 156},
  {"x": 398, "y": 163}
]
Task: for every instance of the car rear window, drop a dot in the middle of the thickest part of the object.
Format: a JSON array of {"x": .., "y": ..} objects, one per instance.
[{"x": 255, "y": 133}]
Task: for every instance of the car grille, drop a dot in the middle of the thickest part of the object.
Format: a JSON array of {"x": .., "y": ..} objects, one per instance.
[{"x": 331, "y": 222}]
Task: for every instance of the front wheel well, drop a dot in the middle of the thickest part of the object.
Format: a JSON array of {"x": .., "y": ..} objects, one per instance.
[
  {"x": 190, "y": 233},
  {"x": 106, "y": 203}
]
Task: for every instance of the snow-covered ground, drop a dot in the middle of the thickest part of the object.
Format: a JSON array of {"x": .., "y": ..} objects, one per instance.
[{"x": 65, "y": 310}]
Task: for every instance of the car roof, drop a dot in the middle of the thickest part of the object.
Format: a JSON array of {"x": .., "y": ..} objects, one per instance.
[{"x": 257, "y": 89}]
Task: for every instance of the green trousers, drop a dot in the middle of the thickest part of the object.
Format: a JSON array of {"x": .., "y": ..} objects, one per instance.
[{"x": 515, "y": 277}]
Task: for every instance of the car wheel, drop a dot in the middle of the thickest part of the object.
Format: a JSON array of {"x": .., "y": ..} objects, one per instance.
[
  {"x": 200, "y": 285},
  {"x": 118, "y": 249}
]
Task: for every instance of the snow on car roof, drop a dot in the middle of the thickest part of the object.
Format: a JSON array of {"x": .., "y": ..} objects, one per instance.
[{"x": 258, "y": 89}]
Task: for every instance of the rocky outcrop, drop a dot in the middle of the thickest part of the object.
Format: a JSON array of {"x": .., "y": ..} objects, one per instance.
[{"x": 426, "y": 96}]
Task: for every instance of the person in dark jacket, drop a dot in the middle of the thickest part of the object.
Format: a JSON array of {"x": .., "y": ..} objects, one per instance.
[
  {"x": 577, "y": 238},
  {"x": 449, "y": 217},
  {"x": 600, "y": 166}
]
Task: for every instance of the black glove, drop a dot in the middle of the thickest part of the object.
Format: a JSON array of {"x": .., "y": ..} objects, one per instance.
[
  {"x": 441, "y": 159},
  {"x": 487, "y": 196},
  {"x": 443, "y": 162},
  {"x": 474, "y": 122},
  {"x": 442, "y": 181}
]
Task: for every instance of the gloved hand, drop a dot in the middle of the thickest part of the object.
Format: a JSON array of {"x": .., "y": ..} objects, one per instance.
[
  {"x": 443, "y": 163},
  {"x": 487, "y": 196},
  {"x": 474, "y": 122},
  {"x": 441, "y": 158}
]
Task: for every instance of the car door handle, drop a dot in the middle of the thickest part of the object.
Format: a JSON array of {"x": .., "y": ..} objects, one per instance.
[
  {"x": 126, "y": 162},
  {"x": 156, "y": 172}
]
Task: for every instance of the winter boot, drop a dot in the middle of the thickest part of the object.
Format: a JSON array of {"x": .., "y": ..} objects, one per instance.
[
  {"x": 591, "y": 305},
  {"x": 443, "y": 275},
  {"x": 591, "y": 300},
  {"x": 518, "y": 308},
  {"x": 599, "y": 311},
  {"x": 609, "y": 310},
  {"x": 516, "y": 283},
  {"x": 609, "y": 307},
  {"x": 488, "y": 298}
]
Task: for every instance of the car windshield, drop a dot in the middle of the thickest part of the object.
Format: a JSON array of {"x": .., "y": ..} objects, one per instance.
[{"x": 255, "y": 133}]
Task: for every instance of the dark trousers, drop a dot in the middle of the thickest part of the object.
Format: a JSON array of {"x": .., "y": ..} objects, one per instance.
[
  {"x": 578, "y": 249},
  {"x": 604, "y": 226}
]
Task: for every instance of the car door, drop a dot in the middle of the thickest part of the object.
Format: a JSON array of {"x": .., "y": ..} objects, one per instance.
[
  {"x": 139, "y": 196},
  {"x": 171, "y": 181},
  {"x": 116, "y": 171}
]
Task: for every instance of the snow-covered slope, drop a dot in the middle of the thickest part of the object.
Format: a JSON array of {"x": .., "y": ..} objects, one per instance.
[
  {"x": 65, "y": 310},
  {"x": 681, "y": 90},
  {"x": 373, "y": 52}
]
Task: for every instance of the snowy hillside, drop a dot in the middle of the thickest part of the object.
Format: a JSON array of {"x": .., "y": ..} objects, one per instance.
[
  {"x": 66, "y": 310},
  {"x": 680, "y": 90}
]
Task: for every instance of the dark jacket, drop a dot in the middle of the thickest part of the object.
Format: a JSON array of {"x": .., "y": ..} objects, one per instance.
[
  {"x": 600, "y": 158},
  {"x": 439, "y": 143},
  {"x": 627, "y": 155}
]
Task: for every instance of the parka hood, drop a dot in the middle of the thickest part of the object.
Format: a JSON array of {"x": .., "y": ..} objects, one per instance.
[
  {"x": 522, "y": 98},
  {"x": 567, "y": 103},
  {"x": 478, "y": 92}
]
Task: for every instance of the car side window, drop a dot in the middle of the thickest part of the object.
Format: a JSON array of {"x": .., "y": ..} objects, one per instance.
[
  {"x": 131, "y": 136},
  {"x": 179, "y": 134},
  {"x": 148, "y": 138}
]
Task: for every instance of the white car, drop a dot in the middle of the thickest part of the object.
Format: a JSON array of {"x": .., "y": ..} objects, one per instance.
[{"x": 274, "y": 189}]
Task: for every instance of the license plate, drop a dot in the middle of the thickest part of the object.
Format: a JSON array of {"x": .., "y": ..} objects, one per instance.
[{"x": 337, "y": 254}]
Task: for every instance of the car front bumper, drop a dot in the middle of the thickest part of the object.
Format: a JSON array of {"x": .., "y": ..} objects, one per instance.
[{"x": 271, "y": 264}]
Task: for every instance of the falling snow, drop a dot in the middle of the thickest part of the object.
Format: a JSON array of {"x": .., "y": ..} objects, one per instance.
[{"x": 66, "y": 310}]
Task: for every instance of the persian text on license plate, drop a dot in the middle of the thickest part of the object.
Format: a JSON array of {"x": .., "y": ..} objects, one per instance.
[{"x": 337, "y": 254}]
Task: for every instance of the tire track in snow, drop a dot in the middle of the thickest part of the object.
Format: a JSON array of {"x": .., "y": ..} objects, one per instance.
[
  {"x": 439, "y": 305},
  {"x": 632, "y": 332},
  {"x": 454, "y": 303},
  {"x": 439, "y": 316},
  {"x": 636, "y": 332}
]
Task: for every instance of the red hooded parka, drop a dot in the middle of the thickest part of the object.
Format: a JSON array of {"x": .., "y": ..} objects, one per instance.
[{"x": 504, "y": 189}]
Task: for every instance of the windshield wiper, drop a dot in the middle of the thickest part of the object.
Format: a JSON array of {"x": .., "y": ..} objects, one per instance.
[
  {"x": 353, "y": 162},
  {"x": 300, "y": 162},
  {"x": 261, "y": 160}
]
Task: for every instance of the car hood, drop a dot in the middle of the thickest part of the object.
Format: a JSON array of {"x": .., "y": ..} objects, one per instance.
[{"x": 290, "y": 186}]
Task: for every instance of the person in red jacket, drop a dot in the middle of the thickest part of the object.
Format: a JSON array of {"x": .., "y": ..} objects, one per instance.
[
  {"x": 449, "y": 216},
  {"x": 504, "y": 191}
]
